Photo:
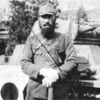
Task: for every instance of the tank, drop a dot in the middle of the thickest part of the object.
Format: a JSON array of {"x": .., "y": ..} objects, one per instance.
[{"x": 87, "y": 45}]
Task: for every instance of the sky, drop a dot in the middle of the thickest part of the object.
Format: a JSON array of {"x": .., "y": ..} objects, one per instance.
[
  {"x": 4, "y": 3},
  {"x": 74, "y": 4},
  {"x": 65, "y": 4}
]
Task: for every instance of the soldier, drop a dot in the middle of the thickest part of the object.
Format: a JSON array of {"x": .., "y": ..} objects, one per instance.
[{"x": 49, "y": 58}]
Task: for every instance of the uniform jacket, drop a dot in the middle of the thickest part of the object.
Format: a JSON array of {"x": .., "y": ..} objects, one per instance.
[{"x": 36, "y": 57}]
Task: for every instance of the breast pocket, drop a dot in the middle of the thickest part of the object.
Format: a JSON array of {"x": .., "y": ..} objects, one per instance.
[{"x": 38, "y": 57}]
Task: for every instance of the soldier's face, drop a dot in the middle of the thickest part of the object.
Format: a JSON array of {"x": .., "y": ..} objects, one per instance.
[
  {"x": 47, "y": 24},
  {"x": 47, "y": 21}
]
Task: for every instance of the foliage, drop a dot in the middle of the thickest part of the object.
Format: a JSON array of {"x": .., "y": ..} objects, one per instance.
[
  {"x": 20, "y": 20},
  {"x": 22, "y": 16}
]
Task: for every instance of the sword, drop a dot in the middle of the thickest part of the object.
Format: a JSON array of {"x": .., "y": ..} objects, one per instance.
[{"x": 50, "y": 93}]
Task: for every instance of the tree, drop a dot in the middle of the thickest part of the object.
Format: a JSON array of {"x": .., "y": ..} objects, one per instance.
[
  {"x": 20, "y": 20},
  {"x": 22, "y": 16}
]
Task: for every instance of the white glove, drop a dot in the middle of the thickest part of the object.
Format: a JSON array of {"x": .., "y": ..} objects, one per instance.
[
  {"x": 46, "y": 82},
  {"x": 50, "y": 73}
]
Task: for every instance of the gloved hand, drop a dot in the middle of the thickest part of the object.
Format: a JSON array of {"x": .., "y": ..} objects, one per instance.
[
  {"x": 50, "y": 73},
  {"x": 46, "y": 82}
]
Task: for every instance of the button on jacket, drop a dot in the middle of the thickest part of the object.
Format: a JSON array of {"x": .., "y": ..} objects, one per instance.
[{"x": 36, "y": 57}]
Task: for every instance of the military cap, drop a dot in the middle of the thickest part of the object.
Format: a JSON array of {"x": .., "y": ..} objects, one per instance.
[{"x": 46, "y": 8}]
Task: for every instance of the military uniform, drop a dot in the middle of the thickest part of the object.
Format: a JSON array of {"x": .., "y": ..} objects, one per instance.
[
  {"x": 35, "y": 57},
  {"x": 61, "y": 57}
]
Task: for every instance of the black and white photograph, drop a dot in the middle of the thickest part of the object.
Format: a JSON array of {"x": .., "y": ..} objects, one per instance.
[{"x": 49, "y": 49}]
